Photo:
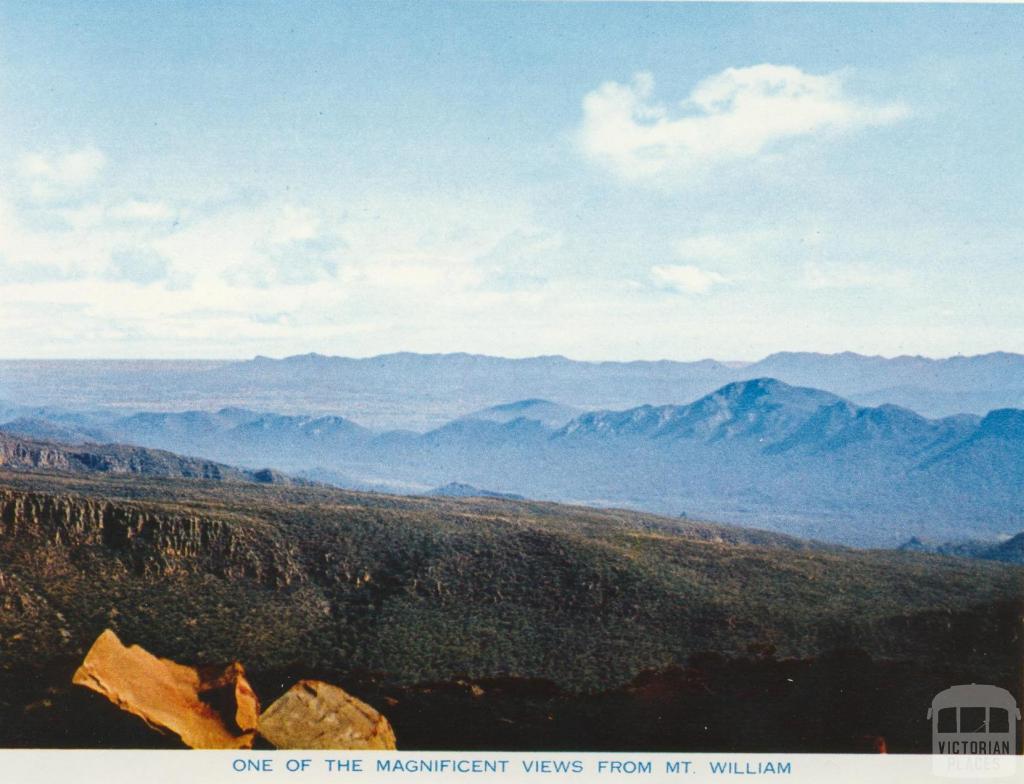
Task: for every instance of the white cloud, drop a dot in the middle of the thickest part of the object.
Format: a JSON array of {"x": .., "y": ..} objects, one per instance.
[
  {"x": 415, "y": 271},
  {"x": 813, "y": 257},
  {"x": 687, "y": 278},
  {"x": 51, "y": 244},
  {"x": 55, "y": 175},
  {"x": 126, "y": 278},
  {"x": 736, "y": 114},
  {"x": 293, "y": 223}
]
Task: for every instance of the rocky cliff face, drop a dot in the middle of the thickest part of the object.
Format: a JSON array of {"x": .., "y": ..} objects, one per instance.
[
  {"x": 27, "y": 454},
  {"x": 195, "y": 581},
  {"x": 147, "y": 540},
  {"x": 16, "y": 453}
]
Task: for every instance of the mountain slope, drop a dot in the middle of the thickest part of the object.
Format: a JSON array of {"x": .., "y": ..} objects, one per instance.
[
  {"x": 28, "y": 455},
  {"x": 758, "y": 452},
  {"x": 549, "y": 414},
  {"x": 39, "y": 429},
  {"x": 1009, "y": 551},
  {"x": 420, "y": 591},
  {"x": 459, "y": 490}
]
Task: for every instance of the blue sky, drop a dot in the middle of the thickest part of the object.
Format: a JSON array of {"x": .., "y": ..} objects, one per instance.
[{"x": 602, "y": 181}]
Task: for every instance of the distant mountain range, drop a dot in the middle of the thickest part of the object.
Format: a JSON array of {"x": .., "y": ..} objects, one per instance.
[
  {"x": 423, "y": 391},
  {"x": 1008, "y": 551},
  {"x": 460, "y": 490},
  {"x": 759, "y": 452}
]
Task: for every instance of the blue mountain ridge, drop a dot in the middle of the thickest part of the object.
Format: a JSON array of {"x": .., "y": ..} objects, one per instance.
[{"x": 759, "y": 452}]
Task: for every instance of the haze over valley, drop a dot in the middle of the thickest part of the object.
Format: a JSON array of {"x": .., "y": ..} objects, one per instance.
[
  {"x": 761, "y": 452},
  {"x": 423, "y": 391}
]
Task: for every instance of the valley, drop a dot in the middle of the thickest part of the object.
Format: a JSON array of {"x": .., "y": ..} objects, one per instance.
[{"x": 760, "y": 453}]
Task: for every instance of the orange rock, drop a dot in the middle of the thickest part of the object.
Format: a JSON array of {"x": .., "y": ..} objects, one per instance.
[
  {"x": 238, "y": 701},
  {"x": 316, "y": 715},
  {"x": 208, "y": 708}
]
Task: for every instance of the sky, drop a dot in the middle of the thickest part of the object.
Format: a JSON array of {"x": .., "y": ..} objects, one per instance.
[{"x": 603, "y": 181}]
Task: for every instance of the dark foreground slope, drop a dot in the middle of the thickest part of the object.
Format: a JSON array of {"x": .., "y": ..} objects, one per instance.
[{"x": 521, "y": 625}]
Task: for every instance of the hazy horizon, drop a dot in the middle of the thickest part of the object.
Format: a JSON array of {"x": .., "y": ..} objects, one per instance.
[{"x": 399, "y": 352}]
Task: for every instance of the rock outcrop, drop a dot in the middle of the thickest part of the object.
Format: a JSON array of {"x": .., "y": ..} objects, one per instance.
[
  {"x": 150, "y": 541},
  {"x": 216, "y": 708},
  {"x": 207, "y": 709},
  {"x": 317, "y": 715},
  {"x": 28, "y": 454}
]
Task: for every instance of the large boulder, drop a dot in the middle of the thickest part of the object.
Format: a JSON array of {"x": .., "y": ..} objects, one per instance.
[
  {"x": 317, "y": 715},
  {"x": 207, "y": 708}
]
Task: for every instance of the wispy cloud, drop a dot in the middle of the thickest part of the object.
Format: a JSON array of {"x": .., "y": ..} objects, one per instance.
[
  {"x": 815, "y": 259},
  {"x": 736, "y": 114},
  {"x": 55, "y": 175},
  {"x": 167, "y": 272},
  {"x": 141, "y": 267},
  {"x": 686, "y": 278}
]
